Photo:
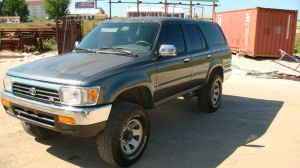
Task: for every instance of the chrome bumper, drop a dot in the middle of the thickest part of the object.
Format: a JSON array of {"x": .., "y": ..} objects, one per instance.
[{"x": 82, "y": 116}]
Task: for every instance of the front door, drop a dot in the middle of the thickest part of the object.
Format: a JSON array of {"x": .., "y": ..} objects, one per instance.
[{"x": 173, "y": 73}]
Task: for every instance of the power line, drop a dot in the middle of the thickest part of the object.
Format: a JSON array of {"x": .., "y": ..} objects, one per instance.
[{"x": 191, "y": 4}]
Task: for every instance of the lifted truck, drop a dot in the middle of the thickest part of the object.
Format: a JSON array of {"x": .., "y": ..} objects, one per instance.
[{"x": 119, "y": 70}]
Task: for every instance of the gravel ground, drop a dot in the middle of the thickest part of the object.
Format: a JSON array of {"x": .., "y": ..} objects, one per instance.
[{"x": 256, "y": 127}]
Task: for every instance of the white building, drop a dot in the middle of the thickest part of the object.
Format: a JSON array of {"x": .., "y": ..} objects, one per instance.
[
  {"x": 36, "y": 8},
  {"x": 10, "y": 19},
  {"x": 76, "y": 7},
  {"x": 84, "y": 7}
]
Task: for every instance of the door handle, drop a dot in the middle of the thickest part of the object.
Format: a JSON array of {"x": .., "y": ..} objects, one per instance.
[{"x": 186, "y": 60}]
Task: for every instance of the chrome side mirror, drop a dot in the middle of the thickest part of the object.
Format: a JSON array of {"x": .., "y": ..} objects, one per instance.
[
  {"x": 167, "y": 50},
  {"x": 76, "y": 44}
]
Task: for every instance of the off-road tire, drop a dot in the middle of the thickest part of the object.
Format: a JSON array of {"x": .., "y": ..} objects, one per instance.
[
  {"x": 205, "y": 94},
  {"x": 38, "y": 132},
  {"x": 108, "y": 142}
]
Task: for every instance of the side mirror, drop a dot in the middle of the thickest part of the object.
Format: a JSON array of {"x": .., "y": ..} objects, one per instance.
[
  {"x": 167, "y": 50},
  {"x": 76, "y": 44}
]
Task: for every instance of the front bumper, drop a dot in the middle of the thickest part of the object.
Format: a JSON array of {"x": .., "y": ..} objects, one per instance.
[{"x": 87, "y": 121}]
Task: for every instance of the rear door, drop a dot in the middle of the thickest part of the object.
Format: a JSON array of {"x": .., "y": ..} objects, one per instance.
[
  {"x": 197, "y": 49},
  {"x": 218, "y": 47},
  {"x": 173, "y": 73}
]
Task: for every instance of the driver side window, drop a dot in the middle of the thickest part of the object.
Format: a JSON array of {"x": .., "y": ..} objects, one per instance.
[{"x": 171, "y": 33}]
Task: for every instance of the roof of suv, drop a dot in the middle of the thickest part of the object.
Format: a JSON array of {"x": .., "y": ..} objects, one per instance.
[{"x": 153, "y": 19}]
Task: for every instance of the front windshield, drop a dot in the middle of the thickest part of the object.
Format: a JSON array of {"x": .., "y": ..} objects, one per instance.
[{"x": 135, "y": 37}]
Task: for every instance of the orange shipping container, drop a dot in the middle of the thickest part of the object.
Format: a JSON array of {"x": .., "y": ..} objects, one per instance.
[{"x": 259, "y": 32}]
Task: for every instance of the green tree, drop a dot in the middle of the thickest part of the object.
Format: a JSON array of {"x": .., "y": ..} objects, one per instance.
[
  {"x": 1, "y": 3},
  {"x": 15, "y": 8},
  {"x": 56, "y": 8}
]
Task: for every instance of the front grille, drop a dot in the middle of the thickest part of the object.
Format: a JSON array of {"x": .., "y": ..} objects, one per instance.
[
  {"x": 30, "y": 115},
  {"x": 36, "y": 93}
]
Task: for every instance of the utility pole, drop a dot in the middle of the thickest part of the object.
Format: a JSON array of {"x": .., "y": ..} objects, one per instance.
[
  {"x": 173, "y": 14},
  {"x": 191, "y": 9},
  {"x": 138, "y": 7},
  {"x": 166, "y": 7},
  {"x": 110, "y": 9},
  {"x": 214, "y": 10}
]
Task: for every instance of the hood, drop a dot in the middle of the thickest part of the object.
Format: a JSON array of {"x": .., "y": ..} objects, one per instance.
[{"x": 71, "y": 69}]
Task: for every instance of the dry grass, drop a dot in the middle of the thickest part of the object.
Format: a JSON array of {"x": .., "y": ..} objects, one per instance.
[{"x": 28, "y": 25}]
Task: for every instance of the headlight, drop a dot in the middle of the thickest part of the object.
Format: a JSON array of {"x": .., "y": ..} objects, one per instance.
[
  {"x": 77, "y": 96},
  {"x": 7, "y": 84}
]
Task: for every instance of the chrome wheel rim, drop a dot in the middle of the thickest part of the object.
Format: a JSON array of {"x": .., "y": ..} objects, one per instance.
[
  {"x": 132, "y": 136},
  {"x": 216, "y": 93}
]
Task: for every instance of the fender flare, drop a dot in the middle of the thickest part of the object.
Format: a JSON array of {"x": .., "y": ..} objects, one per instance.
[{"x": 212, "y": 68}]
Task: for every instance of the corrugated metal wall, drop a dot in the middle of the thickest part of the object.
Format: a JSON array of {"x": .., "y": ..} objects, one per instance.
[
  {"x": 276, "y": 29},
  {"x": 239, "y": 28},
  {"x": 259, "y": 31}
]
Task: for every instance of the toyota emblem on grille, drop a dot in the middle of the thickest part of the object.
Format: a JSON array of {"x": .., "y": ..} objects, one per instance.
[
  {"x": 32, "y": 91},
  {"x": 51, "y": 99}
]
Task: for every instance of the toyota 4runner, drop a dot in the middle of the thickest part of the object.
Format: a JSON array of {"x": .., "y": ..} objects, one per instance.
[{"x": 121, "y": 69}]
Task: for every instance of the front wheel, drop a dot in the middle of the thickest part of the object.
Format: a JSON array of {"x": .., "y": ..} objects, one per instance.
[
  {"x": 125, "y": 136},
  {"x": 210, "y": 97}
]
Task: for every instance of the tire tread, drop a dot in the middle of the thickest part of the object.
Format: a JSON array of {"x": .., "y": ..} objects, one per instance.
[{"x": 105, "y": 140}]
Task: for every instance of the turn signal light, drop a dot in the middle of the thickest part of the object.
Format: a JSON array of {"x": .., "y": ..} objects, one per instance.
[
  {"x": 5, "y": 103},
  {"x": 66, "y": 120}
]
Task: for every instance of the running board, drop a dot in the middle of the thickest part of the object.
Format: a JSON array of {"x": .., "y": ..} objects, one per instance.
[{"x": 186, "y": 92}]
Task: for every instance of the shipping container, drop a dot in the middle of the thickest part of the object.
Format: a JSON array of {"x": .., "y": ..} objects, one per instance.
[{"x": 259, "y": 32}]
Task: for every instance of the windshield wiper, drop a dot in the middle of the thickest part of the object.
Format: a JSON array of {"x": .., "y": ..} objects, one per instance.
[
  {"x": 85, "y": 49},
  {"x": 118, "y": 50}
]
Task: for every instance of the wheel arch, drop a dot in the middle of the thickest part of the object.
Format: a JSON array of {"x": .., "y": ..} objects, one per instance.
[
  {"x": 217, "y": 68},
  {"x": 138, "y": 94}
]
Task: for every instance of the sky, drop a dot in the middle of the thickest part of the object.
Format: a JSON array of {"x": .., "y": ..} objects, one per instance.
[{"x": 224, "y": 5}]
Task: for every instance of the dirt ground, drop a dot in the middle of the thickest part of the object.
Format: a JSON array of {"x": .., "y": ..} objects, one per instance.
[{"x": 258, "y": 126}]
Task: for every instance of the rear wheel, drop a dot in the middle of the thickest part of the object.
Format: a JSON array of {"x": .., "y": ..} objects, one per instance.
[
  {"x": 125, "y": 136},
  {"x": 210, "y": 96},
  {"x": 37, "y": 132}
]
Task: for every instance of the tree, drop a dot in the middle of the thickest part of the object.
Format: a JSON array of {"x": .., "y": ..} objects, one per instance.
[
  {"x": 1, "y": 3},
  {"x": 56, "y": 8},
  {"x": 15, "y": 8}
]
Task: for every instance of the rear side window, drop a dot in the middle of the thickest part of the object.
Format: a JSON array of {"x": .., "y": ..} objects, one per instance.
[
  {"x": 194, "y": 38},
  {"x": 171, "y": 33},
  {"x": 213, "y": 34}
]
